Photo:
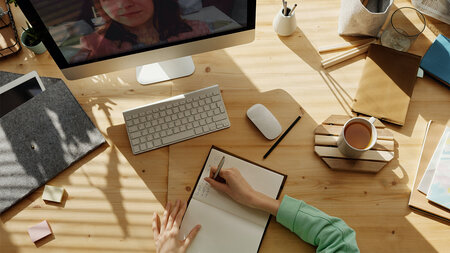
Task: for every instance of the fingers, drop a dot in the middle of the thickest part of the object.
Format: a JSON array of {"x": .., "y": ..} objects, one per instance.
[
  {"x": 165, "y": 217},
  {"x": 216, "y": 185},
  {"x": 172, "y": 215},
  {"x": 155, "y": 226},
  {"x": 180, "y": 215},
  {"x": 191, "y": 236}
]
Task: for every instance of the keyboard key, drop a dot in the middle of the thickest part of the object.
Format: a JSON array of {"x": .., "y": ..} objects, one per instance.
[
  {"x": 209, "y": 120},
  {"x": 144, "y": 132},
  {"x": 187, "y": 113},
  {"x": 205, "y": 128},
  {"x": 175, "y": 110},
  {"x": 201, "y": 103},
  {"x": 160, "y": 121},
  {"x": 150, "y": 144},
  {"x": 143, "y": 146},
  {"x": 163, "y": 114},
  {"x": 149, "y": 138},
  {"x": 189, "y": 126},
  {"x": 216, "y": 111},
  {"x": 196, "y": 124},
  {"x": 190, "y": 118},
  {"x": 136, "y": 149},
  {"x": 206, "y": 107},
  {"x": 198, "y": 130},
  {"x": 176, "y": 130},
  {"x": 164, "y": 126},
  {"x": 203, "y": 115},
  {"x": 168, "y": 119},
  {"x": 219, "y": 117},
  {"x": 178, "y": 123},
  {"x": 197, "y": 117},
  {"x": 141, "y": 126},
  {"x": 182, "y": 107},
  {"x": 171, "y": 124},
  {"x": 188, "y": 106},
  {"x": 135, "y": 141},
  {"x": 210, "y": 113},
  {"x": 142, "y": 119},
  {"x": 184, "y": 121},
  {"x": 200, "y": 109},
  {"x": 156, "y": 136},
  {"x": 136, "y": 121},
  {"x": 202, "y": 122},
  {"x": 158, "y": 128},
  {"x": 180, "y": 115},
  {"x": 174, "y": 117},
  {"x": 169, "y": 112},
  {"x": 177, "y": 137},
  {"x": 182, "y": 128},
  {"x": 157, "y": 143},
  {"x": 132, "y": 129},
  {"x": 195, "y": 104},
  {"x": 143, "y": 139},
  {"x": 215, "y": 98},
  {"x": 129, "y": 123},
  {"x": 141, "y": 114},
  {"x": 163, "y": 133},
  {"x": 128, "y": 117},
  {"x": 135, "y": 135},
  {"x": 169, "y": 132},
  {"x": 148, "y": 124},
  {"x": 151, "y": 130},
  {"x": 149, "y": 117},
  {"x": 135, "y": 116},
  {"x": 212, "y": 126}
]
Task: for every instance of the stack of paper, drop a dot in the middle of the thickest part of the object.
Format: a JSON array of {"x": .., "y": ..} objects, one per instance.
[
  {"x": 431, "y": 189},
  {"x": 436, "y": 181}
]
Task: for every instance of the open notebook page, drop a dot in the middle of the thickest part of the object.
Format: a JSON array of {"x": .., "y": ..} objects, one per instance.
[
  {"x": 221, "y": 232},
  {"x": 213, "y": 209},
  {"x": 261, "y": 179}
]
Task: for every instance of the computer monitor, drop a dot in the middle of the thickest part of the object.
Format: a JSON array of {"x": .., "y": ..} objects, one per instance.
[{"x": 91, "y": 37}]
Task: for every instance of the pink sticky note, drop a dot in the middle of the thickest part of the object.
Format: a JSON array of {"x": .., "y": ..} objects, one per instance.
[{"x": 39, "y": 231}]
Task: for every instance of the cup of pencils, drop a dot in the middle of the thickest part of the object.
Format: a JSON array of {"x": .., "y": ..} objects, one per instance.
[{"x": 285, "y": 22}]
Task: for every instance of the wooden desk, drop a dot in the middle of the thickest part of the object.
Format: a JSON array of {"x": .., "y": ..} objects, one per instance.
[{"x": 112, "y": 194}]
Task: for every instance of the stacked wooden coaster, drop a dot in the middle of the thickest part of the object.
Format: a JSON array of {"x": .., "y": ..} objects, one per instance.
[{"x": 373, "y": 160}]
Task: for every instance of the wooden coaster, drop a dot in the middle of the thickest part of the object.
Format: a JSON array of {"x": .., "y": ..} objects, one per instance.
[{"x": 373, "y": 160}]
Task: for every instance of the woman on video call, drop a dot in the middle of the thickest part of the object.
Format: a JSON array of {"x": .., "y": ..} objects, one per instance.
[
  {"x": 135, "y": 24},
  {"x": 329, "y": 234}
]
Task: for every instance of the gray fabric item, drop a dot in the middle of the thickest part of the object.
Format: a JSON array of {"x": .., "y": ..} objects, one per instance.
[
  {"x": 41, "y": 138},
  {"x": 356, "y": 20}
]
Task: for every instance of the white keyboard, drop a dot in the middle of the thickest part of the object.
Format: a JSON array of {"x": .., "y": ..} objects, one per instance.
[{"x": 176, "y": 119}]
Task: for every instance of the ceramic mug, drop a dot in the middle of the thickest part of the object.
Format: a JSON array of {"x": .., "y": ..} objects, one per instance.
[
  {"x": 284, "y": 25},
  {"x": 356, "y": 134}
]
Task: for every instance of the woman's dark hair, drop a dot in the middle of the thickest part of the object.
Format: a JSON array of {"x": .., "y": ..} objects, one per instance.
[{"x": 166, "y": 19}]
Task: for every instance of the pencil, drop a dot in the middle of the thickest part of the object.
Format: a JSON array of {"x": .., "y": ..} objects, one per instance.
[{"x": 282, "y": 136}]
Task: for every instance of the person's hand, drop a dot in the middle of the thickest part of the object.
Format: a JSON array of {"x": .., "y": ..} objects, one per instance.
[
  {"x": 166, "y": 229},
  {"x": 240, "y": 191}
]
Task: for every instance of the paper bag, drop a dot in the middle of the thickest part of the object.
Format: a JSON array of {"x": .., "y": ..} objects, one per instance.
[{"x": 355, "y": 19}]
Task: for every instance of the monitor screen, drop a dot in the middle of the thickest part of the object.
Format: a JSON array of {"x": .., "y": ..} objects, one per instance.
[
  {"x": 18, "y": 95},
  {"x": 86, "y": 31}
]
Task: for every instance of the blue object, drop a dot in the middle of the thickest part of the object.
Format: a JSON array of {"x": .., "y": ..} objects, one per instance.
[{"x": 436, "y": 60}]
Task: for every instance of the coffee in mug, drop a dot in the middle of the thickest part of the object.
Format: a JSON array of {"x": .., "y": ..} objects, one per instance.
[{"x": 357, "y": 136}]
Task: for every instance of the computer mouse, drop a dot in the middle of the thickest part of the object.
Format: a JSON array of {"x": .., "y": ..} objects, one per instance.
[{"x": 264, "y": 121}]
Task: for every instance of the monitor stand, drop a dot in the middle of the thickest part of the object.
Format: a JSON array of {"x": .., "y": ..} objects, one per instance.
[{"x": 166, "y": 70}]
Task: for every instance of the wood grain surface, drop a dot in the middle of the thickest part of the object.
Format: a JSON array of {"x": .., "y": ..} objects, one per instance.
[{"x": 112, "y": 194}]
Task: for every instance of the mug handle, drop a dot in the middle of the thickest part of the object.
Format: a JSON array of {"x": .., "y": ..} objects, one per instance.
[{"x": 372, "y": 119}]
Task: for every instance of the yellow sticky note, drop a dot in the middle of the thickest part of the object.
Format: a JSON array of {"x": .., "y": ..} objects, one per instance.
[{"x": 53, "y": 193}]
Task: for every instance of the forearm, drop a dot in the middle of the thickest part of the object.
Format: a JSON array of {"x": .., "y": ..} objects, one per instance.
[{"x": 263, "y": 202}]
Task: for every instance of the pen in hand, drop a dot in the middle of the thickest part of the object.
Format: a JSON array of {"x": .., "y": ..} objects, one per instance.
[{"x": 219, "y": 167}]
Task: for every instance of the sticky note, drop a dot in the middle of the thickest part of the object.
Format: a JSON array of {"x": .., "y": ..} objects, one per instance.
[
  {"x": 39, "y": 231},
  {"x": 53, "y": 193}
]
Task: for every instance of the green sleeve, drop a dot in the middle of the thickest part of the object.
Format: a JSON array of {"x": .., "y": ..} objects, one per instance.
[{"x": 329, "y": 234}]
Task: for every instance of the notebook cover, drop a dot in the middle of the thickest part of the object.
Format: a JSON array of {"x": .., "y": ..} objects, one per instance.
[
  {"x": 386, "y": 84},
  {"x": 41, "y": 138},
  {"x": 417, "y": 199},
  {"x": 226, "y": 152},
  {"x": 436, "y": 60}
]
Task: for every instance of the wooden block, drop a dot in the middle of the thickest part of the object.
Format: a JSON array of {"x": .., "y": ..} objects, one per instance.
[
  {"x": 326, "y": 140},
  {"x": 383, "y": 134},
  {"x": 39, "y": 231},
  {"x": 356, "y": 165},
  {"x": 372, "y": 155},
  {"x": 341, "y": 119},
  {"x": 53, "y": 193}
]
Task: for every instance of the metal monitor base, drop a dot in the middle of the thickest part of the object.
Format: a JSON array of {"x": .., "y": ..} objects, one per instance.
[{"x": 166, "y": 70}]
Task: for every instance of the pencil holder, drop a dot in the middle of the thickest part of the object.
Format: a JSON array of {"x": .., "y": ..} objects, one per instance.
[{"x": 284, "y": 25}]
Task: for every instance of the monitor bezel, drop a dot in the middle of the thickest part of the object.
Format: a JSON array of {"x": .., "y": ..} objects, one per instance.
[{"x": 158, "y": 52}]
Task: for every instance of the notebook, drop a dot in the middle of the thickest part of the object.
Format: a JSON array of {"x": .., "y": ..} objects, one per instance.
[
  {"x": 417, "y": 199},
  {"x": 386, "y": 84},
  {"x": 436, "y": 60},
  {"x": 226, "y": 225}
]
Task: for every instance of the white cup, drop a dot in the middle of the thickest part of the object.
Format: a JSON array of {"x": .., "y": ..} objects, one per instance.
[
  {"x": 284, "y": 25},
  {"x": 350, "y": 151}
]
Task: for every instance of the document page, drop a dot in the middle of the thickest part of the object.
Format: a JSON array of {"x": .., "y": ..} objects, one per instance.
[
  {"x": 261, "y": 179},
  {"x": 221, "y": 231}
]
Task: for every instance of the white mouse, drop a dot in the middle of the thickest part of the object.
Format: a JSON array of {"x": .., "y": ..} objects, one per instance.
[{"x": 264, "y": 121}]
